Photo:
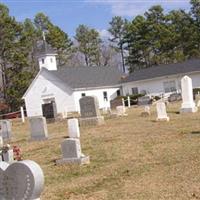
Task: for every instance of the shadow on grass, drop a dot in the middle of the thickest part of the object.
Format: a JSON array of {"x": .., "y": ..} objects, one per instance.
[
  {"x": 195, "y": 132},
  {"x": 174, "y": 112}
]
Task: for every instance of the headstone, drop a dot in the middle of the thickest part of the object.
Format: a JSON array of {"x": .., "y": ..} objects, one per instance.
[
  {"x": 143, "y": 101},
  {"x": 161, "y": 112},
  {"x": 197, "y": 100},
  {"x": 8, "y": 156},
  {"x": 121, "y": 111},
  {"x": 90, "y": 114},
  {"x": 188, "y": 104},
  {"x": 71, "y": 152},
  {"x": 5, "y": 129},
  {"x": 146, "y": 111},
  {"x": 174, "y": 97},
  {"x": 73, "y": 128},
  {"x": 38, "y": 128},
  {"x": 23, "y": 180}
]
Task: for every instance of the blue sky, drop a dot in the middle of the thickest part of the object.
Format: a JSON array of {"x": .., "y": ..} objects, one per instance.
[{"x": 68, "y": 14}]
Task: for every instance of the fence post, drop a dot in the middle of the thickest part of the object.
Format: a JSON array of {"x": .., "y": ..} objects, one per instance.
[
  {"x": 129, "y": 102},
  {"x": 22, "y": 114}
]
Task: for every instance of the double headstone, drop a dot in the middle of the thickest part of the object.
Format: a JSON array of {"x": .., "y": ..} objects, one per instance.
[
  {"x": 5, "y": 129},
  {"x": 188, "y": 104},
  {"x": 90, "y": 114},
  {"x": 38, "y": 128},
  {"x": 161, "y": 112},
  {"x": 23, "y": 180}
]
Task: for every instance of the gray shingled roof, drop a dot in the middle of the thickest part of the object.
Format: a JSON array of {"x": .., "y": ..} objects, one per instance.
[
  {"x": 188, "y": 66},
  {"x": 86, "y": 77}
]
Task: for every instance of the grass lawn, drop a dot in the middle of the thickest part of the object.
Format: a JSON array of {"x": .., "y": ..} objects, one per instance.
[{"x": 131, "y": 158}]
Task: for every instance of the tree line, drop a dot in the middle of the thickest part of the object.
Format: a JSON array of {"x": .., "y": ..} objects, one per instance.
[{"x": 145, "y": 41}]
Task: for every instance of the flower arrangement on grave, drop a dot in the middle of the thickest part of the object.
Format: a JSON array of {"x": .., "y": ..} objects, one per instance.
[{"x": 17, "y": 153}]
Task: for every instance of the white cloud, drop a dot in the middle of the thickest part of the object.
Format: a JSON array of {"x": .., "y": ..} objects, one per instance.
[{"x": 131, "y": 8}]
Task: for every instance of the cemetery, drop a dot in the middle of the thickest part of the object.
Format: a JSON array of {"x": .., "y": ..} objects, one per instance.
[{"x": 127, "y": 157}]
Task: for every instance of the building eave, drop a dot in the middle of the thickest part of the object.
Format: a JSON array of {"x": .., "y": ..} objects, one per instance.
[
  {"x": 160, "y": 77},
  {"x": 95, "y": 88}
]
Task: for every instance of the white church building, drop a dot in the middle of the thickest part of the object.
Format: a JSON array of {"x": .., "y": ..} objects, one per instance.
[{"x": 57, "y": 90}]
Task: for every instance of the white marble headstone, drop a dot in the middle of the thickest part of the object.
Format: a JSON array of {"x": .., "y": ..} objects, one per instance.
[
  {"x": 161, "y": 111},
  {"x": 73, "y": 128},
  {"x": 147, "y": 109},
  {"x": 23, "y": 180},
  {"x": 188, "y": 104}
]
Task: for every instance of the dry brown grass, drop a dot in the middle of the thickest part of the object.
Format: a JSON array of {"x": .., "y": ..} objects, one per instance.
[{"x": 131, "y": 158}]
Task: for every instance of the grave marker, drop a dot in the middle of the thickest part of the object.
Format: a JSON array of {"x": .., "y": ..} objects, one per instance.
[
  {"x": 161, "y": 112},
  {"x": 23, "y": 180},
  {"x": 188, "y": 104},
  {"x": 90, "y": 114},
  {"x": 5, "y": 129},
  {"x": 38, "y": 128},
  {"x": 71, "y": 152},
  {"x": 143, "y": 101},
  {"x": 146, "y": 111},
  {"x": 73, "y": 128}
]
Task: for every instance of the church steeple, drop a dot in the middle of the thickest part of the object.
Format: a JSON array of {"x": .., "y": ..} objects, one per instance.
[{"x": 47, "y": 56}]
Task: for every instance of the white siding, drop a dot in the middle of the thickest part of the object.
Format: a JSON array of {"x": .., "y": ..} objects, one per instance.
[
  {"x": 46, "y": 87},
  {"x": 156, "y": 86},
  {"x": 111, "y": 92}
]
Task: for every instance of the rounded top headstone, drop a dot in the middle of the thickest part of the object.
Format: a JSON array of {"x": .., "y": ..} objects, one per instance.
[{"x": 23, "y": 180}]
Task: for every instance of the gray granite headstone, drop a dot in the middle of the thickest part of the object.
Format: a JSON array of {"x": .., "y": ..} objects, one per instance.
[
  {"x": 143, "y": 101},
  {"x": 90, "y": 114},
  {"x": 89, "y": 107},
  {"x": 23, "y": 180},
  {"x": 5, "y": 129},
  {"x": 71, "y": 152},
  {"x": 38, "y": 128}
]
